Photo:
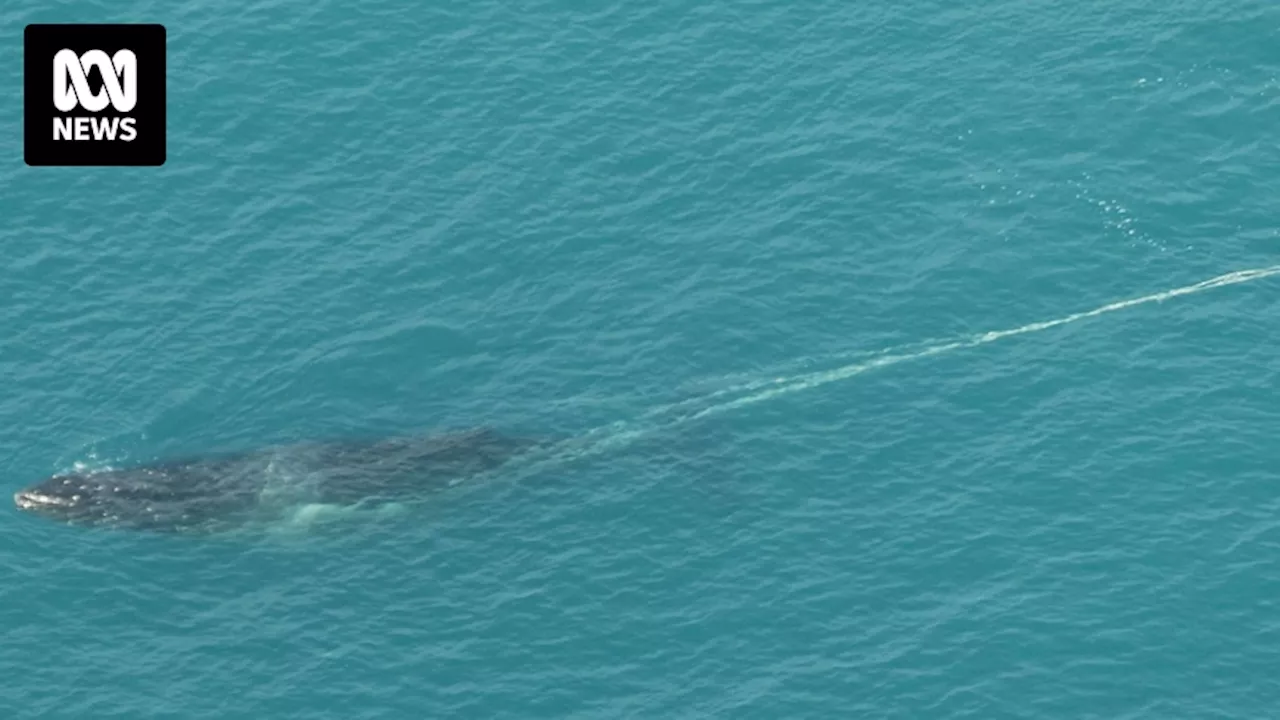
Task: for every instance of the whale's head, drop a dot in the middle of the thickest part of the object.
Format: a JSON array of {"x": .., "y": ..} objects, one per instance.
[
  {"x": 68, "y": 498},
  {"x": 139, "y": 498}
]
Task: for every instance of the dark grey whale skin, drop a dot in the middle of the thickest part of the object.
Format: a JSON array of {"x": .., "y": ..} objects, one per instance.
[{"x": 217, "y": 493}]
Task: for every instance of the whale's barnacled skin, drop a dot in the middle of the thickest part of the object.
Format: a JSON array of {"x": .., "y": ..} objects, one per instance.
[{"x": 213, "y": 493}]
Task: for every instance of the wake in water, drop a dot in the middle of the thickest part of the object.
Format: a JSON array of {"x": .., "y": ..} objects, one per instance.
[
  {"x": 663, "y": 418},
  {"x": 327, "y": 483},
  {"x": 669, "y": 416}
]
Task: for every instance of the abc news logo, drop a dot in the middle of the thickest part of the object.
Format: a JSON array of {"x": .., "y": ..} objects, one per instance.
[
  {"x": 119, "y": 87},
  {"x": 94, "y": 95}
]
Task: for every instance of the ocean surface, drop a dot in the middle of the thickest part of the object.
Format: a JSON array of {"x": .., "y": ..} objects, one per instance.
[{"x": 831, "y": 298}]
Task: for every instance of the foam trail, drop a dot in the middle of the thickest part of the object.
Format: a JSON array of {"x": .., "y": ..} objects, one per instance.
[
  {"x": 896, "y": 354},
  {"x": 818, "y": 379},
  {"x": 792, "y": 366},
  {"x": 615, "y": 434},
  {"x": 618, "y": 427},
  {"x": 623, "y": 432}
]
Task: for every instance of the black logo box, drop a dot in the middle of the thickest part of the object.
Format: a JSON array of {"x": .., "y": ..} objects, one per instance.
[{"x": 41, "y": 43}]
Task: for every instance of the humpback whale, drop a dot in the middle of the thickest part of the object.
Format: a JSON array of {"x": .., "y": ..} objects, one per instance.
[{"x": 208, "y": 494}]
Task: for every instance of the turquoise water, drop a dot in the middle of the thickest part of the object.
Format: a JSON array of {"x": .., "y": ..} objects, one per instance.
[{"x": 746, "y": 255}]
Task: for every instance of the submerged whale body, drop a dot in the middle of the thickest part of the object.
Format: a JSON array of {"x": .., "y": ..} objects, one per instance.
[{"x": 215, "y": 493}]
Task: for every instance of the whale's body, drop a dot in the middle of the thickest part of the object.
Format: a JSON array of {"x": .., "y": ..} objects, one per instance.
[{"x": 214, "y": 493}]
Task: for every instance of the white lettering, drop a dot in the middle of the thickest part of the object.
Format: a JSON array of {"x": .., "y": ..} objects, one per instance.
[
  {"x": 95, "y": 128},
  {"x": 104, "y": 127}
]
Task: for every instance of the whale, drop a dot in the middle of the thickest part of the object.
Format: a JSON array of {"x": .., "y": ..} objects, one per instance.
[{"x": 208, "y": 494}]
